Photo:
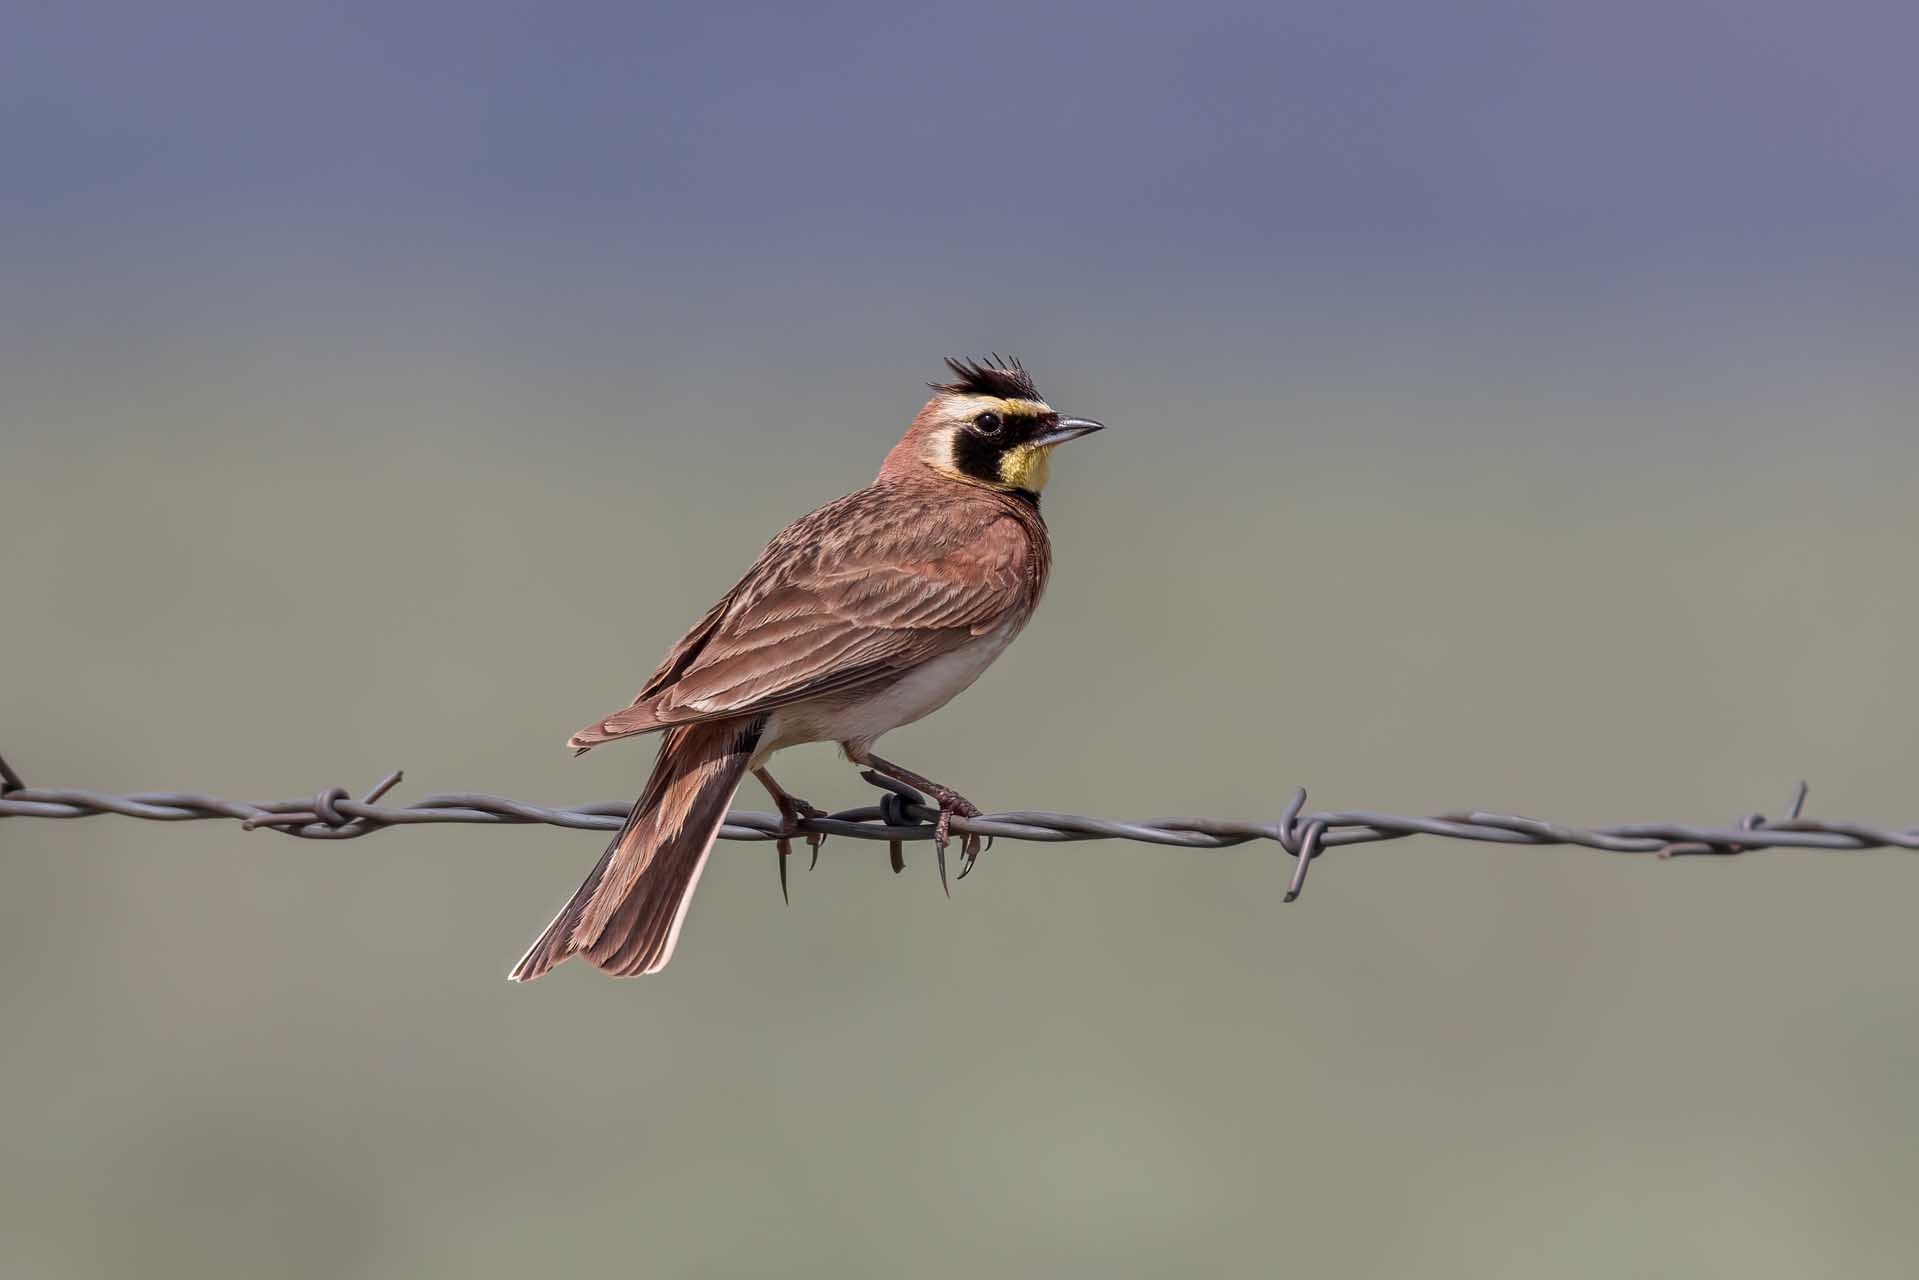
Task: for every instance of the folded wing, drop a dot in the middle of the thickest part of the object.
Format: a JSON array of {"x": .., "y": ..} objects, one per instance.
[{"x": 903, "y": 588}]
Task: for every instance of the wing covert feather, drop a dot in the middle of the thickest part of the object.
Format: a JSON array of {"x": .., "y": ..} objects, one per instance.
[
  {"x": 854, "y": 594},
  {"x": 864, "y": 607}
]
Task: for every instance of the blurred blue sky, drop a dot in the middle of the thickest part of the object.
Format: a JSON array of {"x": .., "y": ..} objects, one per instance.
[{"x": 709, "y": 187}]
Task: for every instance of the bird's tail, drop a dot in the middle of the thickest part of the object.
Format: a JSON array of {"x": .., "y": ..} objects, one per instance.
[{"x": 626, "y": 918}]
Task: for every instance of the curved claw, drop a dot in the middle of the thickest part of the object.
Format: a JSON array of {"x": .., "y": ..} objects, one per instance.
[
  {"x": 785, "y": 848},
  {"x": 900, "y": 794},
  {"x": 952, "y": 806},
  {"x": 943, "y": 832},
  {"x": 793, "y": 812}
]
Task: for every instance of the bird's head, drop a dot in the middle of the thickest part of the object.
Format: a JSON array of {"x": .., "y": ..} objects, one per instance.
[{"x": 988, "y": 427}]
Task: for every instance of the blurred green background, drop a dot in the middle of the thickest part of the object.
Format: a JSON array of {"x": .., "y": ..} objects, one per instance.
[{"x": 1512, "y": 406}]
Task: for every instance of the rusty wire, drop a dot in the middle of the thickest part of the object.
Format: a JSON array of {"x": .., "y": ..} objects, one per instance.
[{"x": 903, "y": 815}]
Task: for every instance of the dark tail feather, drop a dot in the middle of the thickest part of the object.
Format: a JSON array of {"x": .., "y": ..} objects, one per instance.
[
  {"x": 626, "y": 918},
  {"x": 556, "y": 944}
]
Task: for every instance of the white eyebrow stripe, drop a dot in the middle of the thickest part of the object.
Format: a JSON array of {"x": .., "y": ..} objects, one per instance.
[{"x": 969, "y": 406}]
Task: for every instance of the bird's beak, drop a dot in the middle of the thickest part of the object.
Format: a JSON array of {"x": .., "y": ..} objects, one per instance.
[{"x": 1068, "y": 429}]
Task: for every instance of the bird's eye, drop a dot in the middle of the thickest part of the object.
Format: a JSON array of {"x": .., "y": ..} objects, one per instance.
[{"x": 988, "y": 423}]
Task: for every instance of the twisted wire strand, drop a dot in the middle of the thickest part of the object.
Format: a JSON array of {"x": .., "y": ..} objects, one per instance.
[{"x": 904, "y": 815}]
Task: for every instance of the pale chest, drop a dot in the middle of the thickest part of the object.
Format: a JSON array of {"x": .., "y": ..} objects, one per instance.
[{"x": 915, "y": 695}]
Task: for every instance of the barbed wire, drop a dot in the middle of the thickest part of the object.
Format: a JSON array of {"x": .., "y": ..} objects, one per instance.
[{"x": 903, "y": 815}]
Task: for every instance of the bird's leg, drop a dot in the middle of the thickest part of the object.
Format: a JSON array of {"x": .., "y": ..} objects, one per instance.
[
  {"x": 792, "y": 808},
  {"x": 951, "y": 804},
  {"x": 793, "y": 811}
]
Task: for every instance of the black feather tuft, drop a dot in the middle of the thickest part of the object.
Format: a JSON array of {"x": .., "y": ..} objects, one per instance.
[{"x": 1005, "y": 378}]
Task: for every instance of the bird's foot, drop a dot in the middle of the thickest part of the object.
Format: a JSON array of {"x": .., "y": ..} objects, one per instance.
[
  {"x": 906, "y": 787},
  {"x": 793, "y": 814},
  {"x": 954, "y": 805}
]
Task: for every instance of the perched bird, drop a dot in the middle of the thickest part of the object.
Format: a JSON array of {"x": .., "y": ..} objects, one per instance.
[{"x": 865, "y": 615}]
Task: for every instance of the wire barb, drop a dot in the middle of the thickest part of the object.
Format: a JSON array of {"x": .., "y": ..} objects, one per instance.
[{"x": 904, "y": 814}]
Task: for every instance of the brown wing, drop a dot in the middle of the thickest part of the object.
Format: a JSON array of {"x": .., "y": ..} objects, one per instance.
[{"x": 861, "y": 590}]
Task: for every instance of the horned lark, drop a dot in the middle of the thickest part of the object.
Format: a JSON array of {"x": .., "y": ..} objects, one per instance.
[{"x": 865, "y": 615}]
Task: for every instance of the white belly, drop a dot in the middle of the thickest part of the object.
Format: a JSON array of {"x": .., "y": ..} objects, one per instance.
[{"x": 918, "y": 693}]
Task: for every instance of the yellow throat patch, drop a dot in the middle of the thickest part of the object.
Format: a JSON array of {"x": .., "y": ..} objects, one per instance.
[{"x": 1025, "y": 467}]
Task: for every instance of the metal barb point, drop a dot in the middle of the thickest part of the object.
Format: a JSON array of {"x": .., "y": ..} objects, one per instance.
[
  {"x": 911, "y": 795},
  {"x": 1308, "y": 850},
  {"x": 383, "y": 786}
]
